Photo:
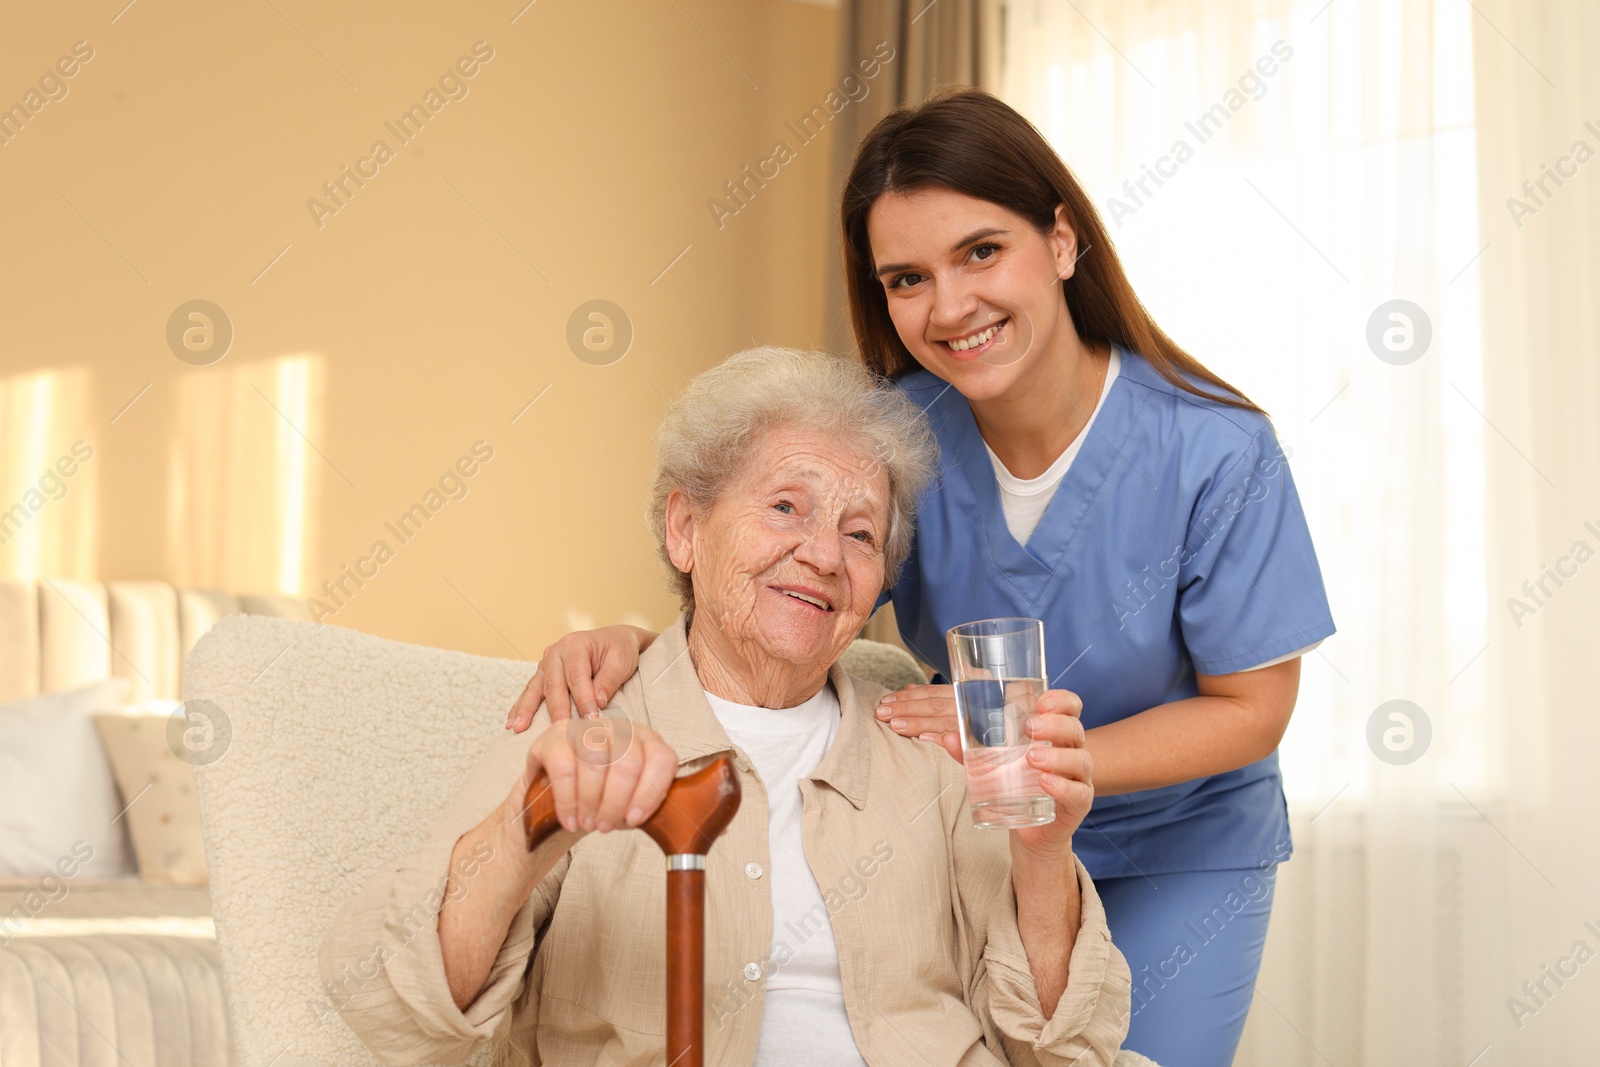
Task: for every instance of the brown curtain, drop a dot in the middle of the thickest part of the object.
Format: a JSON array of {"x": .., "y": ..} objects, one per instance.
[
  {"x": 943, "y": 42},
  {"x": 935, "y": 43}
]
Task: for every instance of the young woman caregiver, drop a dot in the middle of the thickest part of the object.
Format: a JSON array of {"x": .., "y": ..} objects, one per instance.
[{"x": 1095, "y": 476}]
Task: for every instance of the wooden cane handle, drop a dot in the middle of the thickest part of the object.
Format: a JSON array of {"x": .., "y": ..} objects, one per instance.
[{"x": 697, "y": 809}]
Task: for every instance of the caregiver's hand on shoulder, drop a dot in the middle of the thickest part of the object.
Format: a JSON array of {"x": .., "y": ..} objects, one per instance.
[
  {"x": 607, "y": 773},
  {"x": 580, "y": 672},
  {"x": 927, "y": 712}
]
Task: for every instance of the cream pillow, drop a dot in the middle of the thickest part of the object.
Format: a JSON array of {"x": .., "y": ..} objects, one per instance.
[
  {"x": 57, "y": 796},
  {"x": 163, "y": 814}
]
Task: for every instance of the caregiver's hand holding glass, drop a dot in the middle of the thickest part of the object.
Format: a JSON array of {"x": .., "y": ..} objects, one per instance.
[{"x": 998, "y": 670}]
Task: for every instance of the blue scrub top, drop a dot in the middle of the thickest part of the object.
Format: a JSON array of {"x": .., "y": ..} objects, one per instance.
[{"x": 1175, "y": 543}]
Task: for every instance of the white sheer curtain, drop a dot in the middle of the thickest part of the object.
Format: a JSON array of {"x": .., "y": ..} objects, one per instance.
[{"x": 1275, "y": 176}]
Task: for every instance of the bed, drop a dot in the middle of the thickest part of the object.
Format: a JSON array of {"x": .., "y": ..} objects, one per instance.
[{"x": 120, "y": 971}]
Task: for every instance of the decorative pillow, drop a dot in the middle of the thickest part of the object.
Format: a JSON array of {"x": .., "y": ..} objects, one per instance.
[
  {"x": 158, "y": 787},
  {"x": 57, "y": 796}
]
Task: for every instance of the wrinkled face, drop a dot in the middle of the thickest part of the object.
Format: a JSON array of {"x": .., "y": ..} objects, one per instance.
[
  {"x": 973, "y": 288},
  {"x": 789, "y": 562}
]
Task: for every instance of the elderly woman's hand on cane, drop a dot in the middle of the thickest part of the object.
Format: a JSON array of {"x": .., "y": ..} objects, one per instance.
[{"x": 604, "y": 774}]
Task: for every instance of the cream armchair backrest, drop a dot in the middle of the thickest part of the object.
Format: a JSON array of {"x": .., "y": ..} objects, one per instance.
[
  {"x": 339, "y": 758},
  {"x": 57, "y": 635}
]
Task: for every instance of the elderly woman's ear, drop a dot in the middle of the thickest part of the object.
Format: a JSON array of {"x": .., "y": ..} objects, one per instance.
[{"x": 680, "y": 531}]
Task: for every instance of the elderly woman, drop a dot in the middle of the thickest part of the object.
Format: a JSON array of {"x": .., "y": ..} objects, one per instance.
[{"x": 855, "y": 915}]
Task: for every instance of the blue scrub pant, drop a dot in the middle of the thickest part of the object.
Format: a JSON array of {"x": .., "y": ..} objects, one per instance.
[{"x": 1193, "y": 942}]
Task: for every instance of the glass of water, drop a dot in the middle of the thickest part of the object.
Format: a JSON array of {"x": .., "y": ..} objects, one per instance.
[{"x": 997, "y": 667}]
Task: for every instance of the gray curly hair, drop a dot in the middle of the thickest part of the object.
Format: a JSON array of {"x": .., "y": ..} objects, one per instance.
[{"x": 715, "y": 427}]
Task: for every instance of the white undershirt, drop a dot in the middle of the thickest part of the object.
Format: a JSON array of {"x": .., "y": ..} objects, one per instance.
[
  {"x": 1024, "y": 499},
  {"x": 803, "y": 1018}
]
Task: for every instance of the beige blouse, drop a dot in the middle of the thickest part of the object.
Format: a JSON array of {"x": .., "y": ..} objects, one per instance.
[{"x": 923, "y": 914}]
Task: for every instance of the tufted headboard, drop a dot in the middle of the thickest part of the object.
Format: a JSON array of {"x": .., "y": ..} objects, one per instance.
[{"x": 57, "y": 635}]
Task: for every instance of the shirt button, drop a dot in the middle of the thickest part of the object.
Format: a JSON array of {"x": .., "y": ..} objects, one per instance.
[
  {"x": 752, "y": 971},
  {"x": 753, "y": 870}
]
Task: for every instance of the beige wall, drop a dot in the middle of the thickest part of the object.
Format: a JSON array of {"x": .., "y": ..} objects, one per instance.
[{"x": 407, "y": 327}]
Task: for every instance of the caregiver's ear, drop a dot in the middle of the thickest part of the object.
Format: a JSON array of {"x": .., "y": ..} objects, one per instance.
[
  {"x": 680, "y": 531},
  {"x": 1063, "y": 241}
]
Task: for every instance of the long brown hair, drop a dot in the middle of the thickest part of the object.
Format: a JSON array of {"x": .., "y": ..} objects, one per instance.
[{"x": 972, "y": 143}]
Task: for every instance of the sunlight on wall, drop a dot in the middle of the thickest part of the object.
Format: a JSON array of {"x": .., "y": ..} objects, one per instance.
[
  {"x": 244, "y": 485},
  {"x": 294, "y": 396},
  {"x": 49, "y": 480}
]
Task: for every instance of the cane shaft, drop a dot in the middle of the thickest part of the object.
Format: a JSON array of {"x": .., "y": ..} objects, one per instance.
[{"x": 686, "y": 967}]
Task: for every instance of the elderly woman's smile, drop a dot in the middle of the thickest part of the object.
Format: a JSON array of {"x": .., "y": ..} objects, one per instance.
[{"x": 787, "y": 565}]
